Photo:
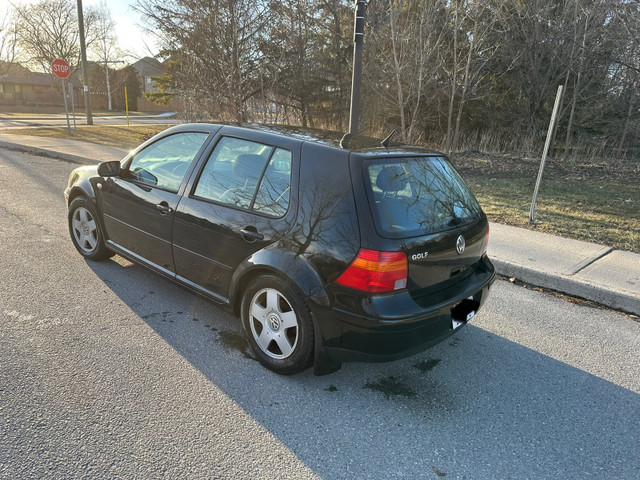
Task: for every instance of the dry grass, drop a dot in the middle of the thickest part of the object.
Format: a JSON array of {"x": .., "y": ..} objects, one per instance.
[
  {"x": 119, "y": 136},
  {"x": 597, "y": 202}
]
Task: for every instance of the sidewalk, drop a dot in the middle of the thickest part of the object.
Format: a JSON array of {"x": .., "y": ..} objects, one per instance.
[
  {"x": 580, "y": 269},
  {"x": 61, "y": 148}
]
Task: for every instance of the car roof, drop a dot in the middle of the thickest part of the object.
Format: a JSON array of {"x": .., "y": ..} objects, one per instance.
[{"x": 359, "y": 144}]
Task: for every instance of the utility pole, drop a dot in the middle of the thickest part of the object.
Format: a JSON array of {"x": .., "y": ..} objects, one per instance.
[
  {"x": 85, "y": 73},
  {"x": 358, "y": 42}
]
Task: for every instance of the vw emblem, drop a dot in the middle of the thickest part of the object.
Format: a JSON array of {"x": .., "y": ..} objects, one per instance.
[
  {"x": 460, "y": 245},
  {"x": 274, "y": 322}
]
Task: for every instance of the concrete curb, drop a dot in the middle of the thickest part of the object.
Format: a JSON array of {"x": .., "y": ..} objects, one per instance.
[
  {"x": 571, "y": 286},
  {"x": 43, "y": 152}
]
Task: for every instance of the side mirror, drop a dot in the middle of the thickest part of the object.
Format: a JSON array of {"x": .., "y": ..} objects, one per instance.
[{"x": 109, "y": 169}]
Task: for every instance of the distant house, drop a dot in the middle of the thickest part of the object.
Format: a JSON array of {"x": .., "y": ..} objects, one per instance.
[
  {"x": 148, "y": 68},
  {"x": 21, "y": 86}
]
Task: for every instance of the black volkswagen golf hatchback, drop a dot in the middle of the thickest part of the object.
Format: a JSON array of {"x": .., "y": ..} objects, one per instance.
[{"x": 327, "y": 252}]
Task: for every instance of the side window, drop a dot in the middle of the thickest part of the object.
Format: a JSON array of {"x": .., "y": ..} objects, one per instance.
[
  {"x": 164, "y": 163},
  {"x": 240, "y": 170},
  {"x": 275, "y": 187}
]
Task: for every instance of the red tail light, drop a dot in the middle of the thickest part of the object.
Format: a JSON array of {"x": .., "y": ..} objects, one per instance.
[{"x": 376, "y": 272}]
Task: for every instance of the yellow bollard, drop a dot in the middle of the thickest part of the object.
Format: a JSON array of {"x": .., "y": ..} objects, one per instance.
[{"x": 126, "y": 104}]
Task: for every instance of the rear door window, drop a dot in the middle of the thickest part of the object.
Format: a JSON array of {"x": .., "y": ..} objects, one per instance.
[
  {"x": 273, "y": 195},
  {"x": 247, "y": 175},
  {"x": 417, "y": 196}
]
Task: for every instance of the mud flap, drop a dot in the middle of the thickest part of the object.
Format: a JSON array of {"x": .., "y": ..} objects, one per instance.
[{"x": 322, "y": 362}]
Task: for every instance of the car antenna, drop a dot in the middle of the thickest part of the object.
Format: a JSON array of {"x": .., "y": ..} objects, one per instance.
[{"x": 385, "y": 142}]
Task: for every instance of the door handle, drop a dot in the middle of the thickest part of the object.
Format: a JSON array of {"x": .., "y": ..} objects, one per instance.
[
  {"x": 251, "y": 236},
  {"x": 164, "y": 208}
]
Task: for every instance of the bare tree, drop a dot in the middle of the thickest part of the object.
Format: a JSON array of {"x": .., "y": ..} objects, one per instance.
[
  {"x": 215, "y": 47},
  {"x": 407, "y": 36},
  {"x": 8, "y": 43},
  {"x": 105, "y": 46},
  {"x": 49, "y": 29},
  {"x": 290, "y": 51},
  {"x": 628, "y": 61},
  {"x": 474, "y": 25}
]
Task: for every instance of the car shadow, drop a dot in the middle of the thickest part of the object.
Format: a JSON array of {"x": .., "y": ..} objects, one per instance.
[{"x": 475, "y": 406}]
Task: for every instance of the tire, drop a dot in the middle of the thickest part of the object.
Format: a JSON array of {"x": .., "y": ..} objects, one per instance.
[
  {"x": 278, "y": 325},
  {"x": 85, "y": 230}
]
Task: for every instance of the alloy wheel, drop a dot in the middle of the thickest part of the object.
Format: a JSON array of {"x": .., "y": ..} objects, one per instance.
[
  {"x": 85, "y": 230},
  {"x": 274, "y": 323}
]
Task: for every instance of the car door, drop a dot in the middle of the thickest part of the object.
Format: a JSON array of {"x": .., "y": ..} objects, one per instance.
[
  {"x": 240, "y": 202},
  {"x": 139, "y": 206}
]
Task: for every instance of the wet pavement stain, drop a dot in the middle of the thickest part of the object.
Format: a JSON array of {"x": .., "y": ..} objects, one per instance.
[
  {"x": 235, "y": 341},
  {"x": 391, "y": 386},
  {"x": 153, "y": 315},
  {"x": 427, "y": 365},
  {"x": 455, "y": 342},
  {"x": 438, "y": 472}
]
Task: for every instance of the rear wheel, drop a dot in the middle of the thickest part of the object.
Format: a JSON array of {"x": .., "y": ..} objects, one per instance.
[
  {"x": 278, "y": 325},
  {"x": 85, "y": 230}
]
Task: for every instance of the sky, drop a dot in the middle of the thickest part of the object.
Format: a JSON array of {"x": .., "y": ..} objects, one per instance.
[{"x": 129, "y": 25}]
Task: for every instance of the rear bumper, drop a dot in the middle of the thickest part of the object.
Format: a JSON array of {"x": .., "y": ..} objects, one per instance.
[{"x": 347, "y": 336}]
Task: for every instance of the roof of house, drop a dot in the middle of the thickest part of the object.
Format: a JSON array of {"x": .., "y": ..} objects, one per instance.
[
  {"x": 149, "y": 67},
  {"x": 17, "y": 74}
]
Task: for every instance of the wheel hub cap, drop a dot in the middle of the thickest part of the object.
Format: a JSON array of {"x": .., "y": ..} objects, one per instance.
[{"x": 274, "y": 322}]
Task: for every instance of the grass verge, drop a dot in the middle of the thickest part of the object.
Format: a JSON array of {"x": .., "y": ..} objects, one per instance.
[
  {"x": 119, "y": 136},
  {"x": 585, "y": 202}
]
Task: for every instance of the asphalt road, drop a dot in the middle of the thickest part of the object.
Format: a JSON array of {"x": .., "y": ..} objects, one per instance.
[{"x": 110, "y": 371}]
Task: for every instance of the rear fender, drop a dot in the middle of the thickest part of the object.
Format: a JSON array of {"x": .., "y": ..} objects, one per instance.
[
  {"x": 291, "y": 267},
  {"x": 296, "y": 270}
]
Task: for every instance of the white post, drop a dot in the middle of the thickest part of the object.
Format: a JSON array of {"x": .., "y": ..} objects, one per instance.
[
  {"x": 552, "y": 123},
  {"x": 73, "y": 105},
  {"x": 66, "y": 108}
]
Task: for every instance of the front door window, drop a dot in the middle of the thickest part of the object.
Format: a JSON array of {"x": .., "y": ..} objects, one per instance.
[{"x": 164, "y": 163}]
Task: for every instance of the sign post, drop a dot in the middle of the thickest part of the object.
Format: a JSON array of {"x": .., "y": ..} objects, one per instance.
[
  {"x": 61, "y": 70},
  {"x": 73, "y": 105}
]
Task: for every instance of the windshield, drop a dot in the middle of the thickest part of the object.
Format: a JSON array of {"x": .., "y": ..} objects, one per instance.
[{"x": 417, "y": 196}]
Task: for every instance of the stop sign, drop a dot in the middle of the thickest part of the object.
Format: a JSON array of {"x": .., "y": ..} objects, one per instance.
[{"x": 60, "y": 68}]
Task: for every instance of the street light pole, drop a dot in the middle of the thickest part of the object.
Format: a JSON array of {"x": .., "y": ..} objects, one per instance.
[
  {"x": 85, "y": 73},
  {"x": 358, "y": 42}
]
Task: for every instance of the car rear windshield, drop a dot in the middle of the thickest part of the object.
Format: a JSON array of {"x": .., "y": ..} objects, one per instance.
[{"x": 417, "y": 195}]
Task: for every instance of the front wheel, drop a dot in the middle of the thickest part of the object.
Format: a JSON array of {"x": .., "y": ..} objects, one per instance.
[
  {"x": 85, "y": 230},
  {"x": 278, "y": 325}
]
